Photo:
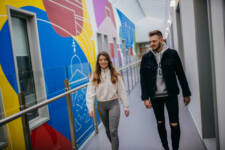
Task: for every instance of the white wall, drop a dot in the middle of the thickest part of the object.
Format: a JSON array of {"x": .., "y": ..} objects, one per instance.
[
  {"x": 190, "y": 54},
  {"x": 190, "y": 57},
  {"x": 174, "y": 26},
  {"x": 219, "y": 62}
]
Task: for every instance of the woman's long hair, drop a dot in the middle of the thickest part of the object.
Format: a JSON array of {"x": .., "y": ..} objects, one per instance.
[{"x": 114, "y": 74}]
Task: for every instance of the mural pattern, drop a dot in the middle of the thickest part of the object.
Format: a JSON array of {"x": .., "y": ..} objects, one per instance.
[
  {"x": 106, "y": 24},
  {"x": 68, "y": 52},
  {"x": 127, "y": 33}
]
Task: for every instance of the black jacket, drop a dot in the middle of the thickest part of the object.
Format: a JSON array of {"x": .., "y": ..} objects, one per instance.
[{"x": 171, "y": 67}]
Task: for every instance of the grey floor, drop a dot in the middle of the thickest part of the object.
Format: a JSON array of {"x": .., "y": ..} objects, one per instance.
[{"x": 139, "y": 130}]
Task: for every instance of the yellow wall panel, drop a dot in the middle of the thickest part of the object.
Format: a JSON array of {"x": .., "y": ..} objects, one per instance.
[
  {"x": 85, "y": 38},
  {"x": 11, "y": 106}
]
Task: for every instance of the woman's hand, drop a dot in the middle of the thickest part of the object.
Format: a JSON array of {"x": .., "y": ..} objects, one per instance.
[
  {"x": 91, "y": 113},
  {"x": 147, "y": 103},
  {"x": 127, "y": 112}
]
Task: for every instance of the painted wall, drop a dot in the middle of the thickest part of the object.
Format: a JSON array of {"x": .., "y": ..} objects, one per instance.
[
  {"x": 67, "y": 34},
  {"x": 127, "y": 33},
  {"x": 106, "y": 25},
  {"x": 67, "y": 51}
]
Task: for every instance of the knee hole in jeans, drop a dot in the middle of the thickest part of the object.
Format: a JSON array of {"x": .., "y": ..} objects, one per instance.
[
  {"x": 160, "y": 122},
  {"x": 174, "y": 124}
]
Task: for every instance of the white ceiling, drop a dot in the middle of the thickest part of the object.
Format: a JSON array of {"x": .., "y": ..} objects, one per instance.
[
  {"x": 139, "y": 9},
  {"x": 146, "y": 14},
  {"x": 130, "y": 8},
  {"x": 157, "y": 9}
]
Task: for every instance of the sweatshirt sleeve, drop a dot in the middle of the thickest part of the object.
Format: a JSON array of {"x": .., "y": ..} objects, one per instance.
[
  {"x": 122, "y": 93},
  {"x": 90, "y": 95}
]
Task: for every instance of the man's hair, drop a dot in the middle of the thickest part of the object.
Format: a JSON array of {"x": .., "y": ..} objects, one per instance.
[{"x": 155, "y": 32}]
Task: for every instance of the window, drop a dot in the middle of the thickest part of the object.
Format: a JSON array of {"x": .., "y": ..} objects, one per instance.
[
  {"x": 27, "y": 60},
  {"x": 99, "y": 40},
  {"x": 3, "y": 135},
  {"x": 106, "y": 44}
]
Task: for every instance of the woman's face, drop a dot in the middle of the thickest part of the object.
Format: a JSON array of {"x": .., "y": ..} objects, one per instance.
[{"x": 103, "y": 62}]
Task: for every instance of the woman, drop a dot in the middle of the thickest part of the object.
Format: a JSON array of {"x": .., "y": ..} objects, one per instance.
[{"x": 107, "y": 85}]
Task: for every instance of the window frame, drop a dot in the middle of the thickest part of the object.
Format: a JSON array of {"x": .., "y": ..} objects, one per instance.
[
  {"x": 36, "y": 61},
  {"x": 99, "y": 43}
]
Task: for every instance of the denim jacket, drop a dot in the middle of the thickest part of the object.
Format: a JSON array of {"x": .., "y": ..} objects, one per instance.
[{"x": 171, "y": 69}]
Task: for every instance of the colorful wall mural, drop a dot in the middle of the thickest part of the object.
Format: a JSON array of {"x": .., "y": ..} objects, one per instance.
[
  {"x": 67, "y": 51},
  {"x": 106, "y": 25},
  {"x": 126, "y": 33}
]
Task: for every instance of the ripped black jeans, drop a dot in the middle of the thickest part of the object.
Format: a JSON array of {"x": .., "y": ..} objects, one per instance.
[{"x": 173, "y": 113}]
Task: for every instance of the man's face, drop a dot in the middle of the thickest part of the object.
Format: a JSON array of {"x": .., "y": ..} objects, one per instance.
[{"x": 155, "y": 42}]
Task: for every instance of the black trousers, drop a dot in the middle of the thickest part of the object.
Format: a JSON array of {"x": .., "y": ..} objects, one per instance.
[{"x": 171, "y": 104}]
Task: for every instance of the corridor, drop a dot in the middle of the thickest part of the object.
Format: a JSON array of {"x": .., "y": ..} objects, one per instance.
[
  {"x": 49, "y": 50},
  {"x": 139, "y": 130}
]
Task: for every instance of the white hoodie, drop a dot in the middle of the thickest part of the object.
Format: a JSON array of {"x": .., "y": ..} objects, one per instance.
[{"x": 106, "y": 90}]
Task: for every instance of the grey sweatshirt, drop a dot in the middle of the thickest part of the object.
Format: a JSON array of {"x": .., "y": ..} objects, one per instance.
[{"x": 161, "y": 90}]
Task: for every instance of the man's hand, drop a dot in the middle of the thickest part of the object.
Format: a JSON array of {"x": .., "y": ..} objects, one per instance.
[
  {"x": 147, "y": 103},
  {"x": 127, "y": 112},
  {"x": 187, "y": 100},
  {"x": 91, "y": 113}
]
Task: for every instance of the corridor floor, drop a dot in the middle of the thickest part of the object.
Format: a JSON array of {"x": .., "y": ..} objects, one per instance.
[{"x": 139, "y": 130}]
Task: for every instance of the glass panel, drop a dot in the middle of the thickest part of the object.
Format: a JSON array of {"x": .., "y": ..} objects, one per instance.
[{"x": 23, "y": 58}]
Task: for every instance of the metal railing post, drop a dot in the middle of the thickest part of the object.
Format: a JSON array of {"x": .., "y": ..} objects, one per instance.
[
  {"x": 128, "y": 81},
  {"x": 136, "y": 70},
  {"x": 134, "y": 74},
  {"x": 133, "y": 66},
  {"x": 70, "y": 114},
  {"x": 25, "y": 122},
  {"x": 131, "y": 77},
  {"x": 131, "y": 72},
  {"x": 95, "y": 119}
]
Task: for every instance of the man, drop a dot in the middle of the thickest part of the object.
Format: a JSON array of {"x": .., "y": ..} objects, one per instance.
[{"x": 160, "y": 68}]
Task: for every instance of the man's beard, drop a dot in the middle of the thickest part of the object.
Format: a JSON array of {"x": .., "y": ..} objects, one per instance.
[{"x": 157, "y": 49}]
